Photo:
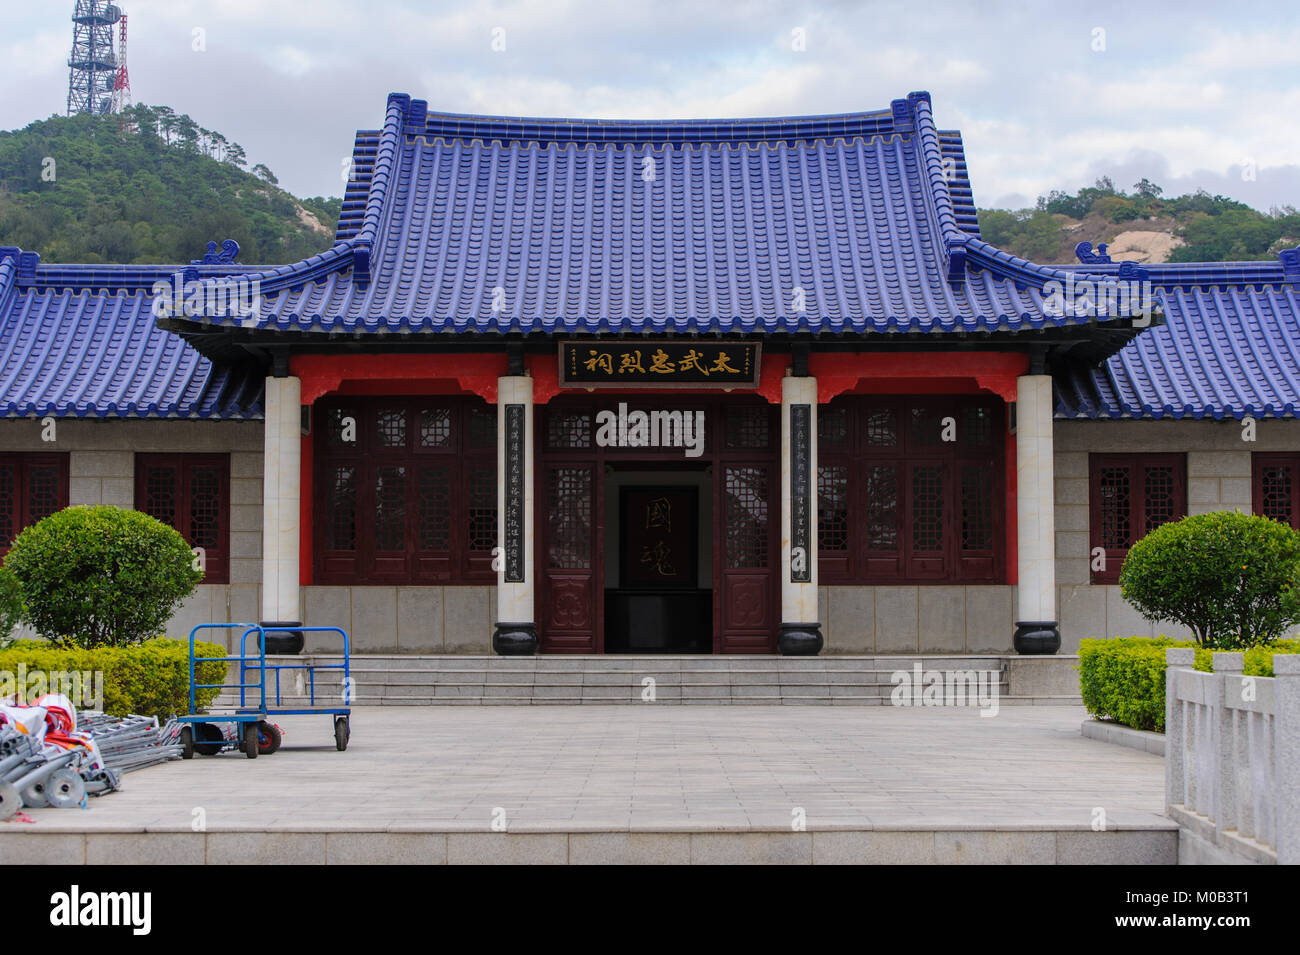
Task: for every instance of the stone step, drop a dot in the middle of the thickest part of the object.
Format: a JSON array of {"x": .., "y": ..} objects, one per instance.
[{"x": 395, "y": 680}]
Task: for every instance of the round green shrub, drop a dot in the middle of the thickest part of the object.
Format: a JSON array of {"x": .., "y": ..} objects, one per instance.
[
  {"x": 1230, "y": 578},
  {"x": 11, "y": 604},
  {"x": 101, "y": 576}
]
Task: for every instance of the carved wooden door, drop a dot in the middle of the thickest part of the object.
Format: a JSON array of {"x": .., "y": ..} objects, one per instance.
[
  {"x": 746, "y": 519},
  {"x": 568, "y": 557}
]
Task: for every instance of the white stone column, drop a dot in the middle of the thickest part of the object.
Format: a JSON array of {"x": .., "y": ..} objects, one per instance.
[
  {"x": 281, "y": 491},
  {"x": 800, "y": 628},
  {"x": 1036, "y": 625},
  {"x": 516, "y": 632}
]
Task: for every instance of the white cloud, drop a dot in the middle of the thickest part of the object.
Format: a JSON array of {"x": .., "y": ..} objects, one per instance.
[{"x": 293, "y": 79}]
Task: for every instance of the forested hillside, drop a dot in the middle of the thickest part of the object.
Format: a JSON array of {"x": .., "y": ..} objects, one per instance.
[
  {"x": 1143, "y": 226},
  {"x": 147, "y": 186}
]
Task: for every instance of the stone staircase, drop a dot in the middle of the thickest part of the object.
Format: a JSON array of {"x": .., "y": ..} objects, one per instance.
[{"x": 493, "y": 680}]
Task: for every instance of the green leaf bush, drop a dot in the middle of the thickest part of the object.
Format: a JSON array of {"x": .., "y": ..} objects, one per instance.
[
  {"x": 1232, "y": 579},
  {"x": 11, "y": 604},
  {"x": 1124, "y": 679},
  {"x": 101, "y": 576},
  {"x": 152, "y": 679}
]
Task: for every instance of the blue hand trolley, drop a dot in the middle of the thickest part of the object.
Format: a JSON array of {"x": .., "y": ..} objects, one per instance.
[{"x": 253, "y": 732}]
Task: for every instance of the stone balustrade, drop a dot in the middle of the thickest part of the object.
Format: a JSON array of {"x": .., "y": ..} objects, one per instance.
[{"x": 1232, "y": 757}]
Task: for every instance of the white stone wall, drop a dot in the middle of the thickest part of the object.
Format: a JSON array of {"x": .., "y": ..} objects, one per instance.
[
  {"x": 918, "y": 619},
  {"x": 455, "y": 619},
  {"x": 101, "y": 470},
  {"x": 1218, "y": 478}
]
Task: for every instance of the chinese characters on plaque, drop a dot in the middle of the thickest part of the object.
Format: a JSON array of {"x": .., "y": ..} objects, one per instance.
[
  {"x": 514, "y": 515},
  {"x": 800, "y": 492},
  {"x": 659, "y": 363}
]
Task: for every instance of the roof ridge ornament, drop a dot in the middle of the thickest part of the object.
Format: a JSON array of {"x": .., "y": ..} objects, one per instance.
[
  {"x": 1290, "y": 259},
  {"x": 229, "y": 252},
  {"x": 1083, "y": 251}
]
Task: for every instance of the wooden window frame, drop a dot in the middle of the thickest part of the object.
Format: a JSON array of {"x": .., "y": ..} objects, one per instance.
[
  {"x": 1136, "y": 461},
  {"x": 1260, "y": 460},
  {"x": 365, "y": 565},
  {"x": 23, "y": 462},
  {"x": 216, "y": 559},
  {"x": 856, "y": 564}
]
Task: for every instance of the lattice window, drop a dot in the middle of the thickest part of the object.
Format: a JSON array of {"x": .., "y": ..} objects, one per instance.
[
  {"x": 927, "y": 508},
  {"x": 882, "y": 507},
  {"x": 977, "y": 426},
  {"x": 927, "y": 425},
  {"x": 482, "y": 501},
  {"x": 880, "y": 427},
  {"x": 568, "y": 429},
  {"x": 1116, "y": 508},
  {"x": 44, "y": 491},
  {"x": 747, "y": 517},
  {"x": 748, "y": 427},
  {"x": 1277, "y": 488},
  {"x": 832, "y": 428},
  {"x": 341, "y": 428},
  {"x": 414, "y": 500},
  {"x": 435, "y": 427},
  {"x": 190, "y": 492},
  {"x": 205, "y": 504},
  {"x": 390, "y": 428},
  {"x": 390, "y": 508},
  {"x": 569, "y": 504},
  {"x": 833, "y": 507},
  {"x": 483, "y": 428},
  {"x": 9, "y": 517},
  {"x": 161, "y": 485},
  {"x": 32, "y": 486},
  {"x": 342, "y": 514},
  {"x": 1129, "y": 496},
  {"x": 434, "y": 489},
  {"x": 976, "y": 507},
  {"x": 1161, "y": 502}
]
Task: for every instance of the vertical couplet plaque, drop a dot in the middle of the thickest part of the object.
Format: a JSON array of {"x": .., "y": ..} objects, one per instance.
[
  {"x": 800, "y": 492},
  {"x": 514, "y": 515}
]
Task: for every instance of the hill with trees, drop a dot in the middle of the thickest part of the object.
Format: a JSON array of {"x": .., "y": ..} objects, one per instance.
[
  {"x": 148, "y": 185},
  {"x": 1144, "y": 226},
  {"x": 152, "y": 186}
]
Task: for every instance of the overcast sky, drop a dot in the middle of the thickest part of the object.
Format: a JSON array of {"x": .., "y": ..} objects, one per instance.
[{"x": 1047, "y": 95}]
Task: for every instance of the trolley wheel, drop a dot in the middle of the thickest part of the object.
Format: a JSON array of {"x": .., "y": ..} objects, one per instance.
[
  {"x": 268, "y": 738},
  {"x": 10, "y": 801},
  {"x": 342, "y": 733},
  {"x": 250, "y": 740},
  {"x": 209, "y": 739},
  {"x": 65, "y": 790},
  {"x": 187, "y": 742}
]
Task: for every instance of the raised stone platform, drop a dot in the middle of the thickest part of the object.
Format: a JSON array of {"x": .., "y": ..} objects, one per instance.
[
  {"x": 672, "y": 784},
  {"x": 395, "y": 680}
]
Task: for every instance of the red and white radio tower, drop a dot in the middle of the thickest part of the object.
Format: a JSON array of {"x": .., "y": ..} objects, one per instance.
[{"x": 122, "y": 81}]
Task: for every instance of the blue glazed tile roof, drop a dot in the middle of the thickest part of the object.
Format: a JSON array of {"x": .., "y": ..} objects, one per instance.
[
  {"x": 86, "y": 348},
  {"x": 467, "y": 223},
  {"x": 870, "y": 214},
  {"x": 1225, "y": 351}
]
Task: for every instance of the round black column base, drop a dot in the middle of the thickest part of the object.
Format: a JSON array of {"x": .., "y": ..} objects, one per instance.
[
  {"x": 800, "y": 639},
  {"x": 514, "y": 639},
  {"x": 1036, "y": 637},
  {"x": 281, "y": 641}
]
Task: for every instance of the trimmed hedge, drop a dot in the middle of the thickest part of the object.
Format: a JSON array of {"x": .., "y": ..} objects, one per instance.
[
  {"x": 1124, "y": 679},
  {"x": 152, "y": 679}
]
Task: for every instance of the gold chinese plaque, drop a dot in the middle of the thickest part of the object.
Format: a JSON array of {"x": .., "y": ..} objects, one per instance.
[{"x": 651, "y": 363}]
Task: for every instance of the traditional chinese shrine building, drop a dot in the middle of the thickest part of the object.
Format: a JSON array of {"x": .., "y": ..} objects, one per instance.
[{"x": 737, "y": 386}]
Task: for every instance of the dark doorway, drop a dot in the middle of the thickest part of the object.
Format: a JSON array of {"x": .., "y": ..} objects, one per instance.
[{"x": 659, "y": 605}]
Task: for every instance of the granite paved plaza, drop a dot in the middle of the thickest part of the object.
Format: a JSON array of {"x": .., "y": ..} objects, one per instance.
[{"x": 591, "y": 768}]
